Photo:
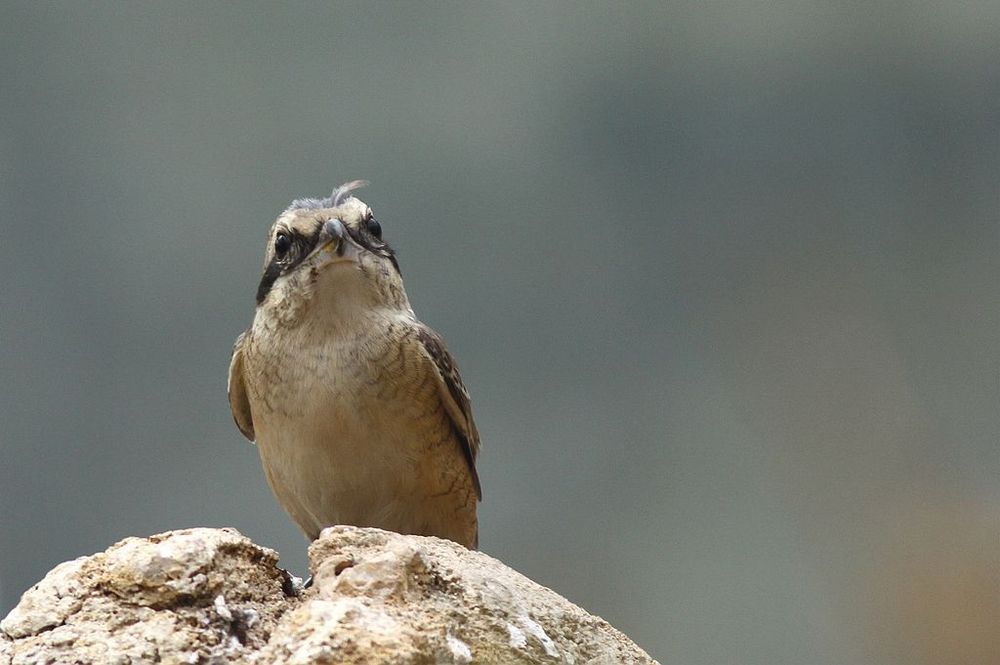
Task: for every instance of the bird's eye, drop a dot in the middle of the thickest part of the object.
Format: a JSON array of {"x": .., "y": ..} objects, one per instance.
[
  {"x": 374, "y": 227},
  {"x": 282, "y": 244}
]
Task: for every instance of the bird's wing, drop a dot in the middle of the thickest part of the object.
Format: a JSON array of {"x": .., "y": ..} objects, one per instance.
[
  {"x": 238, "y": 401},
  {"x": 454, "y": 396}
]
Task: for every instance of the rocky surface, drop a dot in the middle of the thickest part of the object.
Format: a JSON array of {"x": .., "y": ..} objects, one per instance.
[
  {"x": 190, "y": 596},
  {"x": 213, "y": 596}
]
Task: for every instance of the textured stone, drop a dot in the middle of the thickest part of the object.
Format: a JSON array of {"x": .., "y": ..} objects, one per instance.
[
  {"x": 188, "y": 596},
  {"x": 212, "y": 596}
]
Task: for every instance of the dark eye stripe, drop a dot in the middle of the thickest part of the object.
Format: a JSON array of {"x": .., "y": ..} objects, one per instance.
[
  {"x": 373, "y": 244},
  {"x": 271, "y": 273},
  {"x": 367, "y": 240},
  {"x": 301, "y": 245}
]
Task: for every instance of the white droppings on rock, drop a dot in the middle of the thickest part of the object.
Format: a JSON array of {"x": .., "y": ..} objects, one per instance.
[
  {"x": 250, "y": 618},
  {"x": 222, "y": 609},
  {"x": 535, "y": 629},
  {"x": 518, "y": 639},
  {"x": 460, "y": 651},
  {"x": 297, "y": 585}
]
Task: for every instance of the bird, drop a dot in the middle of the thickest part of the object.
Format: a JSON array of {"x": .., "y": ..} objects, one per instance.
[{"x": 356, "y": 407}]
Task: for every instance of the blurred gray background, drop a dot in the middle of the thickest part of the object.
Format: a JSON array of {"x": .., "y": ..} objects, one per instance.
[{"x": 721, "y": 278}]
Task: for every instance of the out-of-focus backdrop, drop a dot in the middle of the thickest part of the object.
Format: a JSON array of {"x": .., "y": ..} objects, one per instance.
[{"x": 722, "y": 279}]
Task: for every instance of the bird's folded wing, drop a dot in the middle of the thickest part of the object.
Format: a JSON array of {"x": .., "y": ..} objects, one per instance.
[
  {"x": 238, "y": 401},
  {"x": 454, "y": 396}
]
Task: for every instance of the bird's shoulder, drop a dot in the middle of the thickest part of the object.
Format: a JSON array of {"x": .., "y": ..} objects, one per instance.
[
  {"x": 429, "y": 345},
  {"x": 236, "y": 387}
]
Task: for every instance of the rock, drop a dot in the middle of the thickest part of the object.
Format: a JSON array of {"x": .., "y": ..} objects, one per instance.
[
  {"x": 212, "y": 596},
  {"x": 188, "y": 596}
]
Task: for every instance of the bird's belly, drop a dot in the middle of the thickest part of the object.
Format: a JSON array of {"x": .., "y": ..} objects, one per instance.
[
  {"x": 335, "y": 468},
  {"x": 352, "y": 438}
]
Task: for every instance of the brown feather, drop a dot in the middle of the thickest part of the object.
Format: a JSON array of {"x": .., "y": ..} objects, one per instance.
[
  {"x": 454, "y": 396},
  {"x": 238, "y": 401}
]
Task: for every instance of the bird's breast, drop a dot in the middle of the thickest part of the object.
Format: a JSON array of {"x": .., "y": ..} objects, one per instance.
[{"x": 339, "y": 425}]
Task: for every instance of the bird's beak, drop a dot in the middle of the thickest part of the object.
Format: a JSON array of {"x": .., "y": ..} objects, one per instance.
[
  {"x": 333, "y": 236},
  {"x": 334, "y": 241}
]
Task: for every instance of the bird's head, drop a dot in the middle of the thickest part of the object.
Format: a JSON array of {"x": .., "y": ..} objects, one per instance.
[{"x": 329, "y": 251}]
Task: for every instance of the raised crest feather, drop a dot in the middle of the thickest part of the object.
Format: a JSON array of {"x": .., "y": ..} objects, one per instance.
[
  {"x": 339, "y": 195},
  {"x": 343, "y": 192}
]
